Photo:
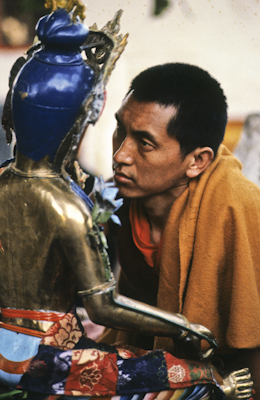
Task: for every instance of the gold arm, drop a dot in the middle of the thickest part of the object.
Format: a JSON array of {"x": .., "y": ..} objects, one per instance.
[{"x": 106, "y": 307}]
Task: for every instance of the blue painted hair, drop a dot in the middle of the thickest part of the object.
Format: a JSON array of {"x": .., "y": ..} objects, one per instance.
[{"x": 51, "y": 86}]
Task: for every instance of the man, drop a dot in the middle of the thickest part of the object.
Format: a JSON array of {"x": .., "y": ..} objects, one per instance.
[{"x": 190, "y": 222}]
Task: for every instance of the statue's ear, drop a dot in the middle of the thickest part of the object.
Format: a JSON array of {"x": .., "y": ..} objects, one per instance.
[{"x": 201, "y": 159}]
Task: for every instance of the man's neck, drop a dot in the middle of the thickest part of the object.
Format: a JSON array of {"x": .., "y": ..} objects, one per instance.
[{"x": 158, "y": 208}]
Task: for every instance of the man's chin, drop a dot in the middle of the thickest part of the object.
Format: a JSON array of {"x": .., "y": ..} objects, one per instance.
[{"x": 125, "y": 192}]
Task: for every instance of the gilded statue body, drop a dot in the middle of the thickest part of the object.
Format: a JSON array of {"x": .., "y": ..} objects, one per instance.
[
  {"x": 42, "y": 220},
  {"x": 50, "y": 246}
]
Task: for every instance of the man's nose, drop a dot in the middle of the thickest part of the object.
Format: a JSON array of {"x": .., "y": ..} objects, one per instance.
[{"x": 124, "y": 154}]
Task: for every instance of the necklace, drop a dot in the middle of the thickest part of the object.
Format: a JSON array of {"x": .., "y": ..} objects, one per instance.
[{"x": 34, "y": 174}]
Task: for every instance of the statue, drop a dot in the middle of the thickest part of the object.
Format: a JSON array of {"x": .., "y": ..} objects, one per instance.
[{"x": 51, "y": 245}]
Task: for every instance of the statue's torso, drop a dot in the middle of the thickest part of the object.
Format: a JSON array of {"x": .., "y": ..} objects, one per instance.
[{"x": 34, "y": 216}]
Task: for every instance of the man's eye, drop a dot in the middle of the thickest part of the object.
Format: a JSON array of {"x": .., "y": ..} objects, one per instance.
[{"x": 147, "y": 145}]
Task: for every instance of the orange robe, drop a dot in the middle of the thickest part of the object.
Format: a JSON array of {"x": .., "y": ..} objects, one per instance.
[{"x": 210, "y": 262}]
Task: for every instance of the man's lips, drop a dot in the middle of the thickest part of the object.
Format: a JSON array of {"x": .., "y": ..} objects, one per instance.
[{"x": 121, "y": 178}]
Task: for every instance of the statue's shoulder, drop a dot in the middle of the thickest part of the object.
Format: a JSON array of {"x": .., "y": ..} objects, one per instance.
[{"x": 63, "y": 201}]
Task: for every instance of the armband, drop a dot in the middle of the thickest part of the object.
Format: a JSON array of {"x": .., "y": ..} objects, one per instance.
[
  {"x": 187, "y": 325},
  {"x": 105, "y": 287}
]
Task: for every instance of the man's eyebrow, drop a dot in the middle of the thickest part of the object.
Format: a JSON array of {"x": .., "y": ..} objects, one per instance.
[{"x": 139, "y": 133}]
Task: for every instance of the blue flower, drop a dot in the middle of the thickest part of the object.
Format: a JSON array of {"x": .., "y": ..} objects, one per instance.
[{"x": 105, "y": 204}]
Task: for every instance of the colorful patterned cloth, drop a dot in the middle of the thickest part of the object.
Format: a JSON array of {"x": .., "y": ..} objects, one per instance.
[{"x": 70, "y": 364}]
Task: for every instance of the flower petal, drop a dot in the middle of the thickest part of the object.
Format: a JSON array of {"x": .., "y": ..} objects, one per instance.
[{"x": 116, "y": 219}]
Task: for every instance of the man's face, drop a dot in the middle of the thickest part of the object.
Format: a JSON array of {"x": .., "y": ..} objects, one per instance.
[{"x": 146, "y": 161}]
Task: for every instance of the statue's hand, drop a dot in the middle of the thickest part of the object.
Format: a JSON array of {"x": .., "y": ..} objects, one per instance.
[
  {"x": 238, "y": 385},
  {"x": 188, "y": 345}
]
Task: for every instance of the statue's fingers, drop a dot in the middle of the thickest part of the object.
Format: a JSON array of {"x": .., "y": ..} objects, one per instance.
[
  {"x": 247, "y": 383},
  {"x": 244, "y": 379},
  {"x": 244, "y": 395},
  {"x": 242, "y": 372},
  {"x": 246, "y": 387}
]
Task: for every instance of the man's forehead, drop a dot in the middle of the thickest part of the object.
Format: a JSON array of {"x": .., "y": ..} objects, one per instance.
[
  {"x": 128, "y": 98},
  {"x": 131, "y": 102}
]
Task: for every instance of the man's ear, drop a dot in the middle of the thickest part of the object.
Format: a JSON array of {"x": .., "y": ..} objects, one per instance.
[{"x": 200, "y": 160}]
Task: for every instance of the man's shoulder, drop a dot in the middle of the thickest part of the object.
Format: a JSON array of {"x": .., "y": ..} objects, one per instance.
[
  {"x": 234, "y": 185},
  {"x": 227, "y": 181}
]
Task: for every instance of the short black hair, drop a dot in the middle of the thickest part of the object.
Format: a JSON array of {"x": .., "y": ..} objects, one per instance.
[{"x": 200, "y": 102}]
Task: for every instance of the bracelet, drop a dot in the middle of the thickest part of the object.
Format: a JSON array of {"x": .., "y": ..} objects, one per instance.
[
  {"x": 187, "y": 325},
  {"x": 104, "y": 287}
]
